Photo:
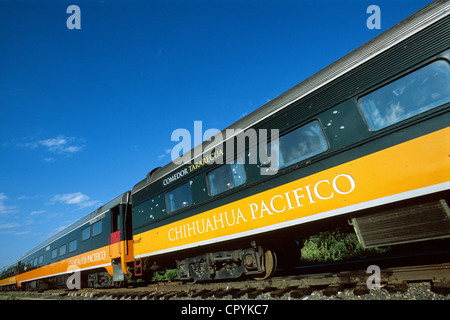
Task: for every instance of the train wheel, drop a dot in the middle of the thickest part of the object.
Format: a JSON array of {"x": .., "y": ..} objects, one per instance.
[{"x": 270, "y": 264}]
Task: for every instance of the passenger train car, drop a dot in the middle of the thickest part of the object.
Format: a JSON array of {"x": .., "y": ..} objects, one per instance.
[
  {"x": 365, "y": 140},
  {"x": 95, "y": 245}
]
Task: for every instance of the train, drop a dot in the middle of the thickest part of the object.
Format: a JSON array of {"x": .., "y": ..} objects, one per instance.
[{"x": 364, "y": 141}]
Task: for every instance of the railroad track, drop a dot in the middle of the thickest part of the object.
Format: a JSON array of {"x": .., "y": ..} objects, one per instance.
[{"x": 395, "y": 279}]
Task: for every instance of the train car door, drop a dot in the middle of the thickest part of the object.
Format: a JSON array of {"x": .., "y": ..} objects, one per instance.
[
  {"x": 17, "y": 273},
  {"x": 115, "y": 246},
  {"x": 119, "y": 243},
  {"x": 114, "y": 238}
]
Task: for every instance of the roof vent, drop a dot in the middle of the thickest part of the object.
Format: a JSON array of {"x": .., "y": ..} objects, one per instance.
[{"x": 151, "y": 173}]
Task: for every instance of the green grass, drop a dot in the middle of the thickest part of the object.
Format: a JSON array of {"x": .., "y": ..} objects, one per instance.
[
  {"x": 168, "y": 274},
  {"x": 9, "y": 296},
  {"x": 335, "y": 245}
]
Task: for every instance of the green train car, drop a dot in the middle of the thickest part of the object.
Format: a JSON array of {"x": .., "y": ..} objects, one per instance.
[{"x": 366, "y": 139}]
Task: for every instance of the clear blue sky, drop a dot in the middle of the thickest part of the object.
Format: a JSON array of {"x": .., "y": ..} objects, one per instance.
[{"x": 85, "y": 114}]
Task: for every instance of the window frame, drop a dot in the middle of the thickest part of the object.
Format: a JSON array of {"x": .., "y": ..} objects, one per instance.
[
  {"x": 62, "y": 250},
  {"x": 96, "y": 224},
  {"x": 236, "y": 162},
  {"x": 311, "y": 155},
  {"x": 82, "y": 233},
  {"x": 388, "y": 82},
  {"x": 70, "y": 245},
  {"x": 168, "y": 207}
]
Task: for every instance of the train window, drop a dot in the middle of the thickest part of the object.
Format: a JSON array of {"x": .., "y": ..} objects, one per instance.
[
  {"x": 35, "y": 261},
  {"x": 417, "y": 92},
  {"x": 300, "y": 144},
  {"x": 54, "y": 253},
  {"x": 41, "y": 259},
  {"x": 179, "y": 198},
  {"x": 86, "y": 234},
  {"x": 97, "y": 228},
  {"x": 72, "y": 246},
  {"x": 151, "y": 210},
  {"x": 226, "y": 177},
  {"x": 62, "y": 250}
]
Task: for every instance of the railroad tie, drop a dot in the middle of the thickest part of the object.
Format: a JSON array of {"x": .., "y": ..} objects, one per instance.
[{"x": 333, "y": 289}]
